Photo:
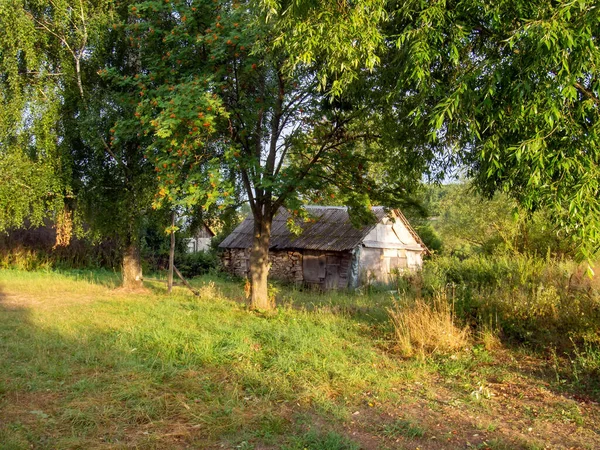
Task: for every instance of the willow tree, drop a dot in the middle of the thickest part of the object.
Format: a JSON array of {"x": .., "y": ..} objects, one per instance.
[
  {"x": 63, "y": 111},
  {"x": 510, "y": 90},
  {"x": 514, "y": 89},
  {"x": 33, "y": 180}
]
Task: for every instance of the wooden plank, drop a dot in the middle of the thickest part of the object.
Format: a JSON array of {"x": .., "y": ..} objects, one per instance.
[
  {"x": 322, "y": 266},
  {"x": 188, "y": 285},
  {"x": 310, "y": 267},
  {"x": 332, "y": 278}
]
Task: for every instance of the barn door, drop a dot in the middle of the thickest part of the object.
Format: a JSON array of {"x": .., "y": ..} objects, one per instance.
[
  {"x": 313, "y": 266},
  {"x": 332, "y": 276}
]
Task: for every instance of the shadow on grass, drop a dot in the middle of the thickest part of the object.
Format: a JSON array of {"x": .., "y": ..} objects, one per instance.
[
  {"x": 67, "y": 381},
  {"x": 102, "y": 277},
  {"x": 366, "y": 306},
  {"x": 567, "y": 373}
]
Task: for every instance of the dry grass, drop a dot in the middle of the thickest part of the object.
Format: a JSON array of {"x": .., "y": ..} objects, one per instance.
[
  {"x": 489, "y": 339},
  {"x": 423, "y": 328}
]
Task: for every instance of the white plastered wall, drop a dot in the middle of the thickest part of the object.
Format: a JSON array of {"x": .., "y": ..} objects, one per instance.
[{"x": 388, "y": 247}]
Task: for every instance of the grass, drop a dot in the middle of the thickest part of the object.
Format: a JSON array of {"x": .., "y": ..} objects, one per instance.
[
  {"x": 423, "y": 328},
  {"x": 85, "y": 365},
  {"x": 402, "y": 427}
]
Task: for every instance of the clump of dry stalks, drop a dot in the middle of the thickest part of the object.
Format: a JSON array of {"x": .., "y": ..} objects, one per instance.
[{"x": 424, "y": 328}]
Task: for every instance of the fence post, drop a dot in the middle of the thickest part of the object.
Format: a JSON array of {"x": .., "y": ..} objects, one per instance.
[{"x": 171, "y": 255}]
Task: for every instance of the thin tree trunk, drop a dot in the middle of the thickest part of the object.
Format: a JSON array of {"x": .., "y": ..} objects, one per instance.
[
  {"x": 132, "y": 268},
  {"x": 171, "y": 255},
  {"x": 259, "y": 265}
]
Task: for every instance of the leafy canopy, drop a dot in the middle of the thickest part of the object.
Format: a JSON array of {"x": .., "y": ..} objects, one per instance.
[{"x": 514, "y": 89}]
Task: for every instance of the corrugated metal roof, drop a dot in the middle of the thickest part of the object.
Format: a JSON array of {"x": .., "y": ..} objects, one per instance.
[{"x": 331, "y": 231}]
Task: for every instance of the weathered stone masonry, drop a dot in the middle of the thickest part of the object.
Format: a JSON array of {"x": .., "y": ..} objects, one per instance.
[{"x": 285, "y": 265}]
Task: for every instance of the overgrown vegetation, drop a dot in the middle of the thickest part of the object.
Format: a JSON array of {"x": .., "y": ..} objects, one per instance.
[
  {"x": 427, "y": 328},
  {"x": 112, "y": 110},
  {"x": 548, "y": 305},
  {"x": 506, "y": 275}
]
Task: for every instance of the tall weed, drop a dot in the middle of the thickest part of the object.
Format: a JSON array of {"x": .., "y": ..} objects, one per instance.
[
  {"x": 424, "y": 328},
  {"x": 531, "y": 300}
]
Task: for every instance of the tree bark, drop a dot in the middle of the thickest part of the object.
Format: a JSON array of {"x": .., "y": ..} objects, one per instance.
[
  {"x": 132, "y": 268},
  {"x": 259, "y": 265}
]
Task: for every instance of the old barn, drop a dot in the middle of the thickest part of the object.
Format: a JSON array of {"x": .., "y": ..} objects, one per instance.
[
  {"x": 330, "y": 252},
  {"x": 200, "y": 240}
]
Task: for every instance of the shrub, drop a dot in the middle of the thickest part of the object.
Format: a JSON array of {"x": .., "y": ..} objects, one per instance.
[
  {"x": 427, "y": 328},
  {"x": 526, "y": 299},
  {"x": 194, "y": 264}
]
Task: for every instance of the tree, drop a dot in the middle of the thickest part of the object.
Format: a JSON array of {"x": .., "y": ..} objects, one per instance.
[
  {"x": 85, "y": 127},
  {"x": 514, "y": 89},
  {"x": 33, "y": 180},
  {"x": 470, "y": 223},
  {"x": 229, "y": 103},
  {"x": 114, "y": 180},
  {"x": 511, "y": 90}
]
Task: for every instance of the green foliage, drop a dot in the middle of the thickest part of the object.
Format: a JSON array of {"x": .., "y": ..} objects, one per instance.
[
  {"x": 514, "y": 88},
  {"x": 59, "y": 113},
  {"x": 29, "y": 189},
  {"x": 32, "y": 180},
  {"x": 32, "y": 254},
  {"x": 469, "y": 224},
  {"x": 316, "y": 32},
  {"x": 198, "y": 263},
  {"x": 531, "y": 300},
  {"x": 430, "y": 237},
  {"x": 115, "y": 184}
]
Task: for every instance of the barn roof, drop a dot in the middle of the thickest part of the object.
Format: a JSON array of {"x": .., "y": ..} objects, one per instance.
[{"x": 332, "y": 230}]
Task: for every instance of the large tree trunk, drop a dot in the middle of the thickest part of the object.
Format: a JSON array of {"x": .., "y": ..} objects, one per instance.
[
  {"x": 259, "y": 265},
  {"x": 132, "y": 268}
]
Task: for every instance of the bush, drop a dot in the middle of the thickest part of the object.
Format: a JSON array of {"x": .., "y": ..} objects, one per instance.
[
  {"x": 34, "y": 249},
  {"x": 529, "y": 300},
  {"x": 425, "y": 328},
  {"x": 193, "y": 264}
]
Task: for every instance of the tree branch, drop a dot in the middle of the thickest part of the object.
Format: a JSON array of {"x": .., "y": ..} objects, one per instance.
[{"x": 587, "y": 93}]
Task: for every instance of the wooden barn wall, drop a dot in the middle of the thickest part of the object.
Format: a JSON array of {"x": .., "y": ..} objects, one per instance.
[{"x": 327, "y": 270}]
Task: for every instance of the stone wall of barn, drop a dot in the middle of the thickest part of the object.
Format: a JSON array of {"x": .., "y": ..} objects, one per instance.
[
  {"x": 327, "y": 270},
  {"x": 285, "y": 265},
  {"x": 236, "y": 261}
]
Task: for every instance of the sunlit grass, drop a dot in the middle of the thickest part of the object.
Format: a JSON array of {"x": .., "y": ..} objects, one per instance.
[{"x": 118, "y": 357}]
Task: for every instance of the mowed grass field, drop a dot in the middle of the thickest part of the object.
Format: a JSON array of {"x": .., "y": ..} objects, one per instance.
[{"x": 84, "y": 365}]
